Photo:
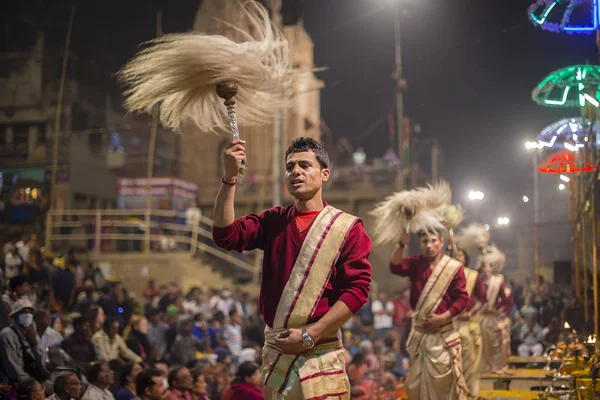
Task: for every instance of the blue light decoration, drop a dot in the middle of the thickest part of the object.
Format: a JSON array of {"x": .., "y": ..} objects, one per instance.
[
  {"x": 120, "y": 310},
  {"x": 568, "y": 133},
  {"x": 556, "y": 15}
]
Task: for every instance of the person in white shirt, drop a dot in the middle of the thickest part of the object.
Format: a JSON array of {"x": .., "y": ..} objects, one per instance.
[
  {"x": 13, "y": 263},
  {"x": 49, "y": 337},
  {"x": 100, "y": 377},
  {"x": 531, "y": 337},
  {"x": 225, "y": 303},
  {"x": 23, "y": 247},
  {"x": 383, "y": 311},
  {"x": 193, "y": 214},
  {"x": 233, "y": 333}
]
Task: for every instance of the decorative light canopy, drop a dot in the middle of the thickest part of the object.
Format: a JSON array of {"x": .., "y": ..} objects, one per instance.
[
  {"x": 563, "y": 162},
  {"x": 570, "y": 16},
  {"x": 573, "y": 86},
  {"x": 567, "y": 133}
]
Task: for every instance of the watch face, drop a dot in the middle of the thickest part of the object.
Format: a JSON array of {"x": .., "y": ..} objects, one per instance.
[{"x": 308, "y": 343}]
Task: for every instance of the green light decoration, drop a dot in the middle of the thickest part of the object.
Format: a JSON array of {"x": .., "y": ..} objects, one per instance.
[{"x": 570, "y": 87}]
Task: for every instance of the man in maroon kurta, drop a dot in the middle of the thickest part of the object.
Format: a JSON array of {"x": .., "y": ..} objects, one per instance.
[
  {"x": 436, "y": 371},
  {"x": 281, "y": 233}
]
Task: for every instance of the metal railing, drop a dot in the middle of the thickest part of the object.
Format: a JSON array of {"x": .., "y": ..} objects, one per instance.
[{"x": 143, "y": 231}]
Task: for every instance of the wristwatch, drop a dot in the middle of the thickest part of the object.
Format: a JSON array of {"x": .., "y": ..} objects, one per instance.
[{"x": 307, "y": 341}]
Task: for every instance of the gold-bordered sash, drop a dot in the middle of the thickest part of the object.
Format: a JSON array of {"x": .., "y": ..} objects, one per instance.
[
  {"x": 493, "y": 290},
  {"x": 431, "y": 297},
  {"x": 313, "y": 267},
  {"x": 436, "y": 286},
  {"x": 471, "y": 277}
]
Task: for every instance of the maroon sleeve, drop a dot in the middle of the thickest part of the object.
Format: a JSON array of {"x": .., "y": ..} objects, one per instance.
[
  {"x": 246, "y": 233},
  {"x": 479, "y": 291},
  {"x": 404, "y": 268},
  {"x": 354, "y": 269},
  {"x": 458, "y": 293}
]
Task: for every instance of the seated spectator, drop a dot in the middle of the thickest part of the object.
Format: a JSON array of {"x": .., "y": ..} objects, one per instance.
[
  {"x": 202, "y": 329},
  {"x": 149, "y": 385},
  {"x": 180, "y": 384},
  {"x": 30, "y": 389},
  {"x": 186, "y": 345},
  {"x": 89, "y": 297},
  {"x": 19, "y": 287},
  {"x": 247, "y": 384},
  {"x": 78, "y": 345},
  {"x": 67, "y": 386},
  {"x": 22, "y": 357},
  {"x": 157, "y": 334},
  {"x": 96, "y": 316},
  {"x": 531, "y": 336},
  {"x": 109, "y": 345},
  {"x": 100, "y": 377},
  {"x": 399, "y": 364},
  {"x": 200, "y": 388},
  {"x": 232, "y": 334},
  {"x": 136, "y": 337},
  {"x": 48, "y": 336},
  {"x": 127, "y": 382},
  {"x": 528, "y": 310},
  {"x": 551, "y": 333}
]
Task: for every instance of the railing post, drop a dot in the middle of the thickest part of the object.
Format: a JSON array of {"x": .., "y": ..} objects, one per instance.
[
  {"x": 147, "y": 231},
  {"x": 47, "y": 239},
  {"x": 194, "y": 238},
  {"x": 98, "y": 232}
]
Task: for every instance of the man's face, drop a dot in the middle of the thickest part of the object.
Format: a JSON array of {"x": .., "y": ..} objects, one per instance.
[
  {"x": 113, "y": 330},
  {"x": 23, "y": 290},
  {"x": 85, "y": 329},
  {"x": 459, "y": 255},
  {"x": 157, "y": 390},
  {"x": 106, "y": 375},
  {"x": 184, "y": 380},
  {"x": 486, "y": 270},
  {"x": 304, "y": 176},
  {"x": 73, "y": 386},
  {"x": 431, "y": 245}
]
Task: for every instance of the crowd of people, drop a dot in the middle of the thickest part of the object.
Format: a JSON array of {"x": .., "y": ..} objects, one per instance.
[{"x": 67, "y": 332}]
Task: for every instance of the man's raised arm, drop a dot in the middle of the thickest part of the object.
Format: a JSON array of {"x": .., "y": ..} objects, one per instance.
[
  {"x": 397, "y": 265},
  {"x": 233, "y": 157}
]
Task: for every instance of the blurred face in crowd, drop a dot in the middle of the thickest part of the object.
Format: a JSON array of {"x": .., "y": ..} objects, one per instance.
[
  {"x": 37, "y": 391},
  {"x": 184, "y": 380},
  {"x": 101, "y": 317},
  {"x": 254, "y": 379},
  {"x": 486, "y": 270},
  {"x": 236, "y": 318},
  {"x": 135, "y": 370},
  {"x": 459, "y": 255},
  {"x": 23, "y": 290},
  {"x": 142, "y": 326},
  {"x": 106, "y": 376},
  {"x": 431, "y": 245},
  {"x": 157, "y": 390},
  {"x": 84, "y": 329},
  {"x": 200, "y": 386},
  {"x": 73, "y": 386},
  {"x": 113, "y": 329}
]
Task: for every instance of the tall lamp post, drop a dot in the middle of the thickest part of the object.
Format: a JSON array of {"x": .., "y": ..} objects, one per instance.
[{"x": 534, "y": 148}]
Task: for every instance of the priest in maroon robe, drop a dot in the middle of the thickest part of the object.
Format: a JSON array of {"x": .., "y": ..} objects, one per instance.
[{"x": 291, "y": 268}]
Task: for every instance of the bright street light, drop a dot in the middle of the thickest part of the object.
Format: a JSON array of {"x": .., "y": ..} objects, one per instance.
[
  {"x": 503, "y": 221},
  {"x": 564, "y": 178},
  {"x": 532, "y": 145},
  {"x": 561, "y": 186},
  {"x": 525, "y": 199},
  {"x": 476, "y": 195}
]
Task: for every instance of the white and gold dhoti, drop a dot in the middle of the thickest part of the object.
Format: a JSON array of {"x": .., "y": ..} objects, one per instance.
[
  {"x": 495, "y": 331},
  {"x": 436, "y": 366},
  {"x": 319, "y": 373}
]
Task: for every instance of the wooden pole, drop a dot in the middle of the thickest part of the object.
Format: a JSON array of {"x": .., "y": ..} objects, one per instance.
[
  {"x": 61, "y": 92},
  {"x": 576, "y": 246},
  {"x": 151, "y": 148}
]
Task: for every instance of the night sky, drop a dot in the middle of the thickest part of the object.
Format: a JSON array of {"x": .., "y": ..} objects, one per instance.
[{"x": 470, "y": 67}]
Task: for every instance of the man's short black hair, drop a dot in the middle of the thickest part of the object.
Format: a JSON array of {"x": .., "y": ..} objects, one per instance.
[
  {"x": 93, "y": 371},
  {"x": 145, "y": 380},
  {"x": 17, "y": 281},
  {"x": 172, "y": 376},
  {"x": 467, "y": 259},
  {"x": 60, "y": 382},
  {"x": 108, "y": 323},
  {"x": 303, "y": 144}
]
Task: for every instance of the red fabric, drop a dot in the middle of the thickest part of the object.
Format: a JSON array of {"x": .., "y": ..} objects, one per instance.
[
  {"x": 275, "y": 231},
  {"x": 417, "y": 268},
  {"x": 174, "y": 394},
  {"x": 246, "y": 391},
  {"x": 402, "y": 310},
  {"x": 304, "y": 219},
  {"x": 478, "y": 294}
]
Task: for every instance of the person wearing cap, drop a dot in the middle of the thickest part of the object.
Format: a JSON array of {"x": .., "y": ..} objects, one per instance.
[
  {"x": 21, "y": 357},
  {"x": 19, "y": 287}
]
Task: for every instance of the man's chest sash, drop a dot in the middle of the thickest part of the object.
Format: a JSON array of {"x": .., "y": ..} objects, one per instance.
[
  {"x": 471, "y": 277},
  {"x": 436, "y": 286},
  {"x": 313, "y": 267},
  {"x": 493, "y": 290}
]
